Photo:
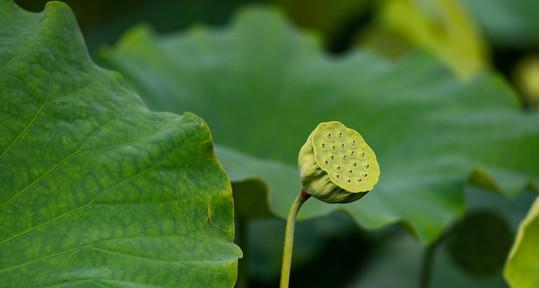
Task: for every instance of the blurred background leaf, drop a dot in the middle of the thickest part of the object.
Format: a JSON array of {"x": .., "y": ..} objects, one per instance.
[
  {"x": 261, "y": 72},
  {"x": 441, "y": 27},
  {"x": 512, "y": 28},
  {"x": 508, "y": 23},
  {"x": 397, "y": 263}
]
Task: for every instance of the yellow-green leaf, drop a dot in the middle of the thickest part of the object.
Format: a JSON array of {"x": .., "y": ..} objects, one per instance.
[
  {"x": 522, "y": 267},
  {"x": 442, "y": 27}
]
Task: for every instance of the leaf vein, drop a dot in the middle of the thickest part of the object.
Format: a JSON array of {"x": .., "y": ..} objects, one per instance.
[{"x": 70, "y": 212}]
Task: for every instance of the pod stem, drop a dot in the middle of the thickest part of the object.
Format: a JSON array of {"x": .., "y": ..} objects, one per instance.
[{"x": 289, "y": 237}]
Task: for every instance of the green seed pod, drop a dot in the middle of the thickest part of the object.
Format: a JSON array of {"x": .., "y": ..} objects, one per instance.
[{"x": 336, "y": 165}]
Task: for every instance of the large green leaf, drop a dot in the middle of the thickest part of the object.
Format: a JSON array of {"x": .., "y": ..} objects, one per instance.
[
  {"x": 96, "y": 190},
  {"x": 263, "y": 86},
  {"x": 522, "y": 267}
]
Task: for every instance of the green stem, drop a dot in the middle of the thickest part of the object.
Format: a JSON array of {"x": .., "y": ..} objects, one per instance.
[
  {"x": 427, "y": 263},
  {"x": 289, "y": 237},
  {"x": 426, "y": 267}
]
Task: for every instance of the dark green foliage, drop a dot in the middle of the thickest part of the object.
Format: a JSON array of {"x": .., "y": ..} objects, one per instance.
[{"x": 479, "y": 243}]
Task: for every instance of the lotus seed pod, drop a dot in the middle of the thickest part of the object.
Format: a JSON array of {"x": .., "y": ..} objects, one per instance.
[{"x": 336, "y": 165}]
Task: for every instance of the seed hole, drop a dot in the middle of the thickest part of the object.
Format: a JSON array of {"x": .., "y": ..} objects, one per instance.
[
  {"x": 332, "y": 157},
  {"x": 350, "y": 171},
  {"x": 343, "y": 157},
  {"x": 339, "y": 167},
  {"x": 338, "y": 176},
  {"x": 362, "y": 154},
  {"x": 343, "y": 146},
  {"x": 349, "y": 180},
  {"x": 324, "y": 145},
  {"x": 365, "y": 174},
  {"x": 340, "y": 134},
  {"x": 326, "y": 161},
  {"x": 352, "y": 153},
  {"x": 359, "y": 180},
  {"x": 355, "y": 164},
  {"x": 353, "y": 142},
  {"x": 367, "y": 166}
]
